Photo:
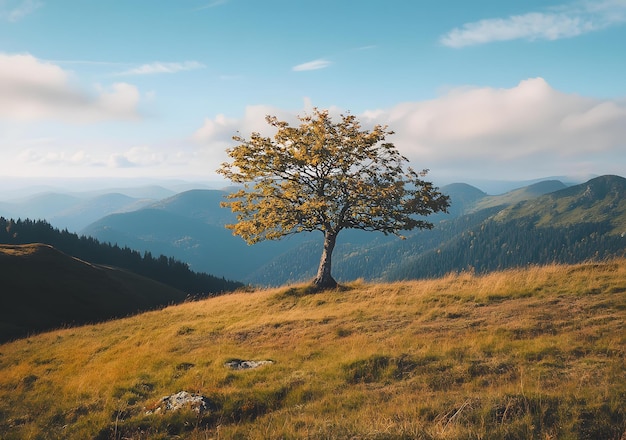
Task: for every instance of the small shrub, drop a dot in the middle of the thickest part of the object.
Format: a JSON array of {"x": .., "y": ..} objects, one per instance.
[
  {"x": 185, "y": 330},
  {"x": 601, "y": 422},
  {"x": 133, "y": 394},
  {"x": 477, "y": 369},
  {"x": 343, "y": 332},
  {"x": 367, "y": 370},
  {"x": 29, "y": 381},
  {"x": 184, "y": 366},
  {"x": 377, "y": 368},
  {"x": 246, "y": 407}
]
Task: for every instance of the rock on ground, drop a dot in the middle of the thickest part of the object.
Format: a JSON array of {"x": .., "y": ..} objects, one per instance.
[
  {"x": 183, "y": 399},
  {"x": 238, "y": 364}
]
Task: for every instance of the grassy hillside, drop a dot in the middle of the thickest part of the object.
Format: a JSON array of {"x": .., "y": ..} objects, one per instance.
[
  {"x": 535, "y": 353},
  {"x": 42, "y": 288}
]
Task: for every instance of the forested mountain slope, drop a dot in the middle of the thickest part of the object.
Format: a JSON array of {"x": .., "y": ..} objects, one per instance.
[
  {"x": 583, "y": 222},
  {"x": 518, "y": 195}
]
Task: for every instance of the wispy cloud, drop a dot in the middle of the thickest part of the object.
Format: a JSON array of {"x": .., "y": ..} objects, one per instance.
[
  {"x": 212, "y": 4},
  {"x": 89, "y": 62},
  {"x": 158, "y": 67},
  {"x": 565, "y": 21},
  {"x": 312, "y": 65},
  {"x": 12, "y": 10}
]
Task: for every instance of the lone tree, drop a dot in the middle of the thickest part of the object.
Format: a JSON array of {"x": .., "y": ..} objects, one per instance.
[{"x": 325, "y": 176}]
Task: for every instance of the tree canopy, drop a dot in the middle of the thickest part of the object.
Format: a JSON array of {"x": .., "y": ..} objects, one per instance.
[{"x": 325, "y": 176}]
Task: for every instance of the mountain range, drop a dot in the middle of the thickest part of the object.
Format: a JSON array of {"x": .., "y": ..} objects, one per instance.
[
  {"x": 80, "y": 279},
  {"x": 70, "y": 211},
  {"x": 190, "y": 227}
]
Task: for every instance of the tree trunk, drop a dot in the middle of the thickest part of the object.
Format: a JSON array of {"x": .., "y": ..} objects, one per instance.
[{"x": 324, "y": 279}]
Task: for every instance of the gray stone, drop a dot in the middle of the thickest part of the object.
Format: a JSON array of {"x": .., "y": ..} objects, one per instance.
[
  {"x": 183, "y": 399},
  {"x": 238, "y": 364}
]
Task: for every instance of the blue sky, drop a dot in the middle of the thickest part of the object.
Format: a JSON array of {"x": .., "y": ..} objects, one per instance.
[{"x": 473, "y": 90}]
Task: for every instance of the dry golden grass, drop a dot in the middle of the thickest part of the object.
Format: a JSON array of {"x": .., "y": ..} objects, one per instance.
[
  {"x": 18, "y": 249},
  {"x": 534, "y": 353}
]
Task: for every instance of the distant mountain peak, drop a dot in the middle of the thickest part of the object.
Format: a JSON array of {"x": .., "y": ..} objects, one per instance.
[
  {"x": 602, "y": 186},
  {"x": 597, "y": 188},
  {"x": 544, "y": 187}
]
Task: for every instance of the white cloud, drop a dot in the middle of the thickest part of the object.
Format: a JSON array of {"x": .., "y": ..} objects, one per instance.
[
  {"x": 31, "y": 89},
  {"x": 139, "y": 156},
  {"x": 54, "y": 157},
  {"x": 158, "y": 67},
  {"x": 120, "y": 161},
  {"x": 563, "y": 22},
  {"x": 12, "y": 10},
  {"x": 216, "y": 134},
  {"x": 53, "y": 154},
  {"x": 530, "y": 128},
  {"x": 526, "y": 131},
  {"x": 221, "y": 129},
  {"x": 312, "y": 65}
]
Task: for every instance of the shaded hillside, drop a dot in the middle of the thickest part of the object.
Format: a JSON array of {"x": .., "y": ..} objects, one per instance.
[
  {"x": 522, "y": 354},
  {"x": 190, "y": 226},
  {"x": 43, "y": 288},
  {"x": 160, "y": 268},
  {"x": 583, "y": 222}
]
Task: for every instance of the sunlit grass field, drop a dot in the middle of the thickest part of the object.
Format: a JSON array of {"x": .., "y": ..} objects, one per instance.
[{"x": 535, "y": 353}]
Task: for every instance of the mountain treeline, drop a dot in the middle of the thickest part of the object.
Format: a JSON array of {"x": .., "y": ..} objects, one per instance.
[
  {"x": 495, "y": 245},
  {"x": 164, "y": 269}
]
